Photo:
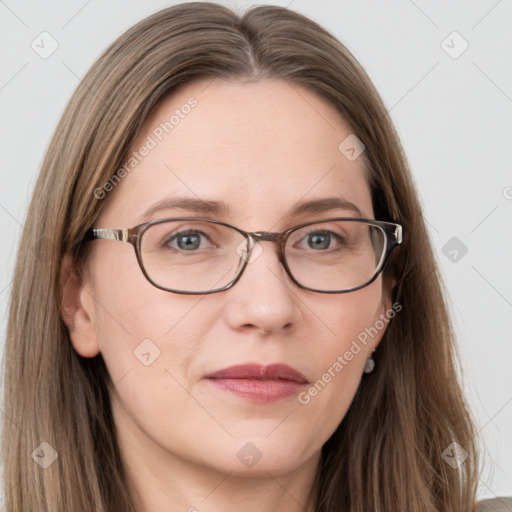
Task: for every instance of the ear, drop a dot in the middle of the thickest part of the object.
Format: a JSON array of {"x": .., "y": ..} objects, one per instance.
[
  {"x": 77, "y": 312},
  {"x": 387, "y": 289}
]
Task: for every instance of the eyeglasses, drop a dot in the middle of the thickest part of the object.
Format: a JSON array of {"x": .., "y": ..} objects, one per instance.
[{"x": 190, "y": 255}]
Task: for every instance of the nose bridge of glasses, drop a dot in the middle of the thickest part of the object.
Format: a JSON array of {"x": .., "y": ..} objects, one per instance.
[{"x": 266, "y": 236}]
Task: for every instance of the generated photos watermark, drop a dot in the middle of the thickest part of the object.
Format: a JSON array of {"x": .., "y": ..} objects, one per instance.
[
  {"x": 151, "y": 142},
  {"x": 343, "y": 360}
]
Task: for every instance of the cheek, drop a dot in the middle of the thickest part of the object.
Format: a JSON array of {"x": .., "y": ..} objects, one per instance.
[
  {"x": 148, "y": 329},
  {"x": 149, "y": 340},
  {"x": 139, "y": 326},
  {"x": 347, "y": 323},
  {"x": 339, "y": 359}
]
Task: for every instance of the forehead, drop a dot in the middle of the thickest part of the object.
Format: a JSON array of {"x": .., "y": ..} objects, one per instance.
[{"x": 259, "y": 147}]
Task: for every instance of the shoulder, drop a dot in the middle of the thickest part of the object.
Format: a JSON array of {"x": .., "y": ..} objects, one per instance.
[{"x": 495, "y": 505}]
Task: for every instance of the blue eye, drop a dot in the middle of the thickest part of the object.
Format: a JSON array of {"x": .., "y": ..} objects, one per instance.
[
  {"x": 320, "y": 240},
  {"x": 187, "y": 240}
]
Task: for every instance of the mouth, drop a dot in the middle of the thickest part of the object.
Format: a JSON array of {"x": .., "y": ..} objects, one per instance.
[{"x": 259, "y": 383}]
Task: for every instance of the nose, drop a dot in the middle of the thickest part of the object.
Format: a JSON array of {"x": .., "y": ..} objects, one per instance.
[{"x": 265, "y": 299}]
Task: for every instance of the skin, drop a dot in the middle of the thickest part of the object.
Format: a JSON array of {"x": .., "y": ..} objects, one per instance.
[{"x": 260, "y": 147}]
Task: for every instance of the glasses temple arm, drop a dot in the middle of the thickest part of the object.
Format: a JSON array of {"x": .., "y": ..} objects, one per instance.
[{"x": 107, "y": 234}]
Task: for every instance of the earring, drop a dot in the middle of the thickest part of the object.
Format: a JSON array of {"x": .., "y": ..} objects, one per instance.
[{"x": 369, "y": 365}]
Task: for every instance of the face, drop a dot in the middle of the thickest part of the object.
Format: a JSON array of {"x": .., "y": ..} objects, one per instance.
[{"x": 260, "y": 148}]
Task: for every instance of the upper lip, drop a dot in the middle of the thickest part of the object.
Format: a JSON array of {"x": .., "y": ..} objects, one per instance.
[{"x": 257, "y": 371}]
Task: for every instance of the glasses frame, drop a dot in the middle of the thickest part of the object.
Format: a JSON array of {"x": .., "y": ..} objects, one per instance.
[{"x": 393, "y": 235}]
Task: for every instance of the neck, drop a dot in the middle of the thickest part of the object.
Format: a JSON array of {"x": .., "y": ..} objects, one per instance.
[{"x": 186, "y": 488}]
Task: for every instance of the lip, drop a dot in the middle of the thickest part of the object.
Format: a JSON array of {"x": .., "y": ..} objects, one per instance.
[{"x": 259, "y": 383}]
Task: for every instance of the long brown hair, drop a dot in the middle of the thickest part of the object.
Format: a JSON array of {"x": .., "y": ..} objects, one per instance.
[{"x": 387, "y": 453}]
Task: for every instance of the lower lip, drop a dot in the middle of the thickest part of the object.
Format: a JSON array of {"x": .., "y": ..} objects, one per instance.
[{"x": 259, "y": 390}]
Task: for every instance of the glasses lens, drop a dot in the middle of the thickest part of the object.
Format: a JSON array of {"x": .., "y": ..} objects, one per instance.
[
  {"x": 335, "y": 255},
  {"x": 192, "y": 256}
]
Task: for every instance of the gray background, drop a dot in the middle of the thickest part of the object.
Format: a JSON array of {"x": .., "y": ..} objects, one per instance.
[{"x": 452, "y": 111}]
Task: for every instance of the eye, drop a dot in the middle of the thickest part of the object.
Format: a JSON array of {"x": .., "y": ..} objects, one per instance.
[
  {"x": 188, "y": 240},
  {"x": 320, "y": 240}
]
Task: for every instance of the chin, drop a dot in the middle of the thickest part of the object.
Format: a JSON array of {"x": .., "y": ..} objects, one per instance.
[{"x": 258, "y": 456}]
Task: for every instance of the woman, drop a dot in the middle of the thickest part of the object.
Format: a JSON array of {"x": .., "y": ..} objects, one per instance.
[{"x": 276, "y": 338}]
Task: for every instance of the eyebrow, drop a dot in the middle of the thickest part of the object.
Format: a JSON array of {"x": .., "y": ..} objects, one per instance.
[
  {"x": 189, "y": 204},
  {"x": 221, "y": 209},
  {"x": 324, "y": 205}
]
